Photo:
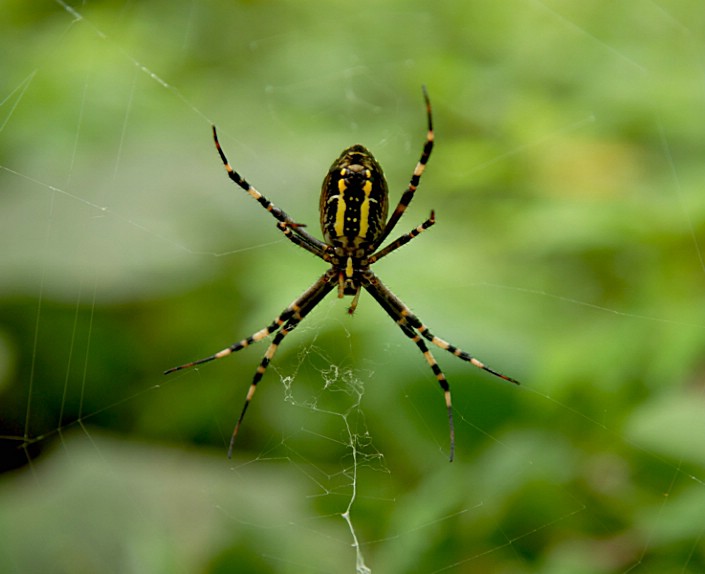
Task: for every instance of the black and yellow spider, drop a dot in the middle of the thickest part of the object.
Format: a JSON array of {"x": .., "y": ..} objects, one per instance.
[{"x": 353, "y": 207}]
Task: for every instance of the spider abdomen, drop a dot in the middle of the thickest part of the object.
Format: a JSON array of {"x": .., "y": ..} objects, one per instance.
[{"x": 353, "y": 200}]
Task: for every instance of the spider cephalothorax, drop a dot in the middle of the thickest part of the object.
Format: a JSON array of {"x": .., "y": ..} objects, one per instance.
[{"x": 353, "y": 208}]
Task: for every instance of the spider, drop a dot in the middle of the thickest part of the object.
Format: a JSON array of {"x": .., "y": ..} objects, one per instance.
[{"x": 353, "y": 211}]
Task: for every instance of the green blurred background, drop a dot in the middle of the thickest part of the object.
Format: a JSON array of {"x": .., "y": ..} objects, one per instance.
[{"x": 568, "y": 253}]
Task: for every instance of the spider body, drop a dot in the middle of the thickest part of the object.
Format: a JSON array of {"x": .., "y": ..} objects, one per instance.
[
  {"x": 353, "y": 208},
  {"x": 354, "y": 202}
]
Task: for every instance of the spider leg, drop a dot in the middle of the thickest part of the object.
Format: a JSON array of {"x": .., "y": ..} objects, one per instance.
[
  {"x": 445, "y": 345},
  {"x": 303, "y": 305},
  {"x": 289, "y": 318},
  {"x": 261, "y": 334},
  {"x": 315, "y": 246},
  {"x": 403, "y": 240},
  {"x": 316, "y": 292},
  {"x": 440, "y": 377},
  {"x": 402, "y": 314},
  {"x": 259, "y": 373},
  {"x": 408, "y": 195},
  {"x": 415, "y": 329},
  {"x": 380, "y": 293},
  {"x": 302, "y": 241}
]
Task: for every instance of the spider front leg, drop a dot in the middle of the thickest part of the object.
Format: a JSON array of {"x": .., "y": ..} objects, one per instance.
[
  {"x": 378, "y": 292},
  {"x": 261, "y": 334},
  {"x": 402, "y": 314},
  {"x": 283, "y": 325},
  {"x": 440, "y": 377},
  {"x": 259, "y": 373},
  {"x": 413, "y": 328}
]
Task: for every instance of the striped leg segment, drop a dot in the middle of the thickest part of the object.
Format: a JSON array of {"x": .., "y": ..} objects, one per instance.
[
  {"x": 445, "y": 345},
  {"x": 408, "y": 195},
  {"x": 440, "y": 377},
  {"x": 259, "y": 373},
  {"x": 315, "y": 246},
  {"x": 261, "y": 334},
  {"x": 379, "y": 292},
  {"x": 415, "y": 329},
  {"x": 303, "y": 305},
  {"x": 414, "y": 321},
  {"x": 404, "y": 239},
  {"x": 402, "y": 312},
  {"x": 283, "y": 325},
  {"x": 301, "y": 240}
]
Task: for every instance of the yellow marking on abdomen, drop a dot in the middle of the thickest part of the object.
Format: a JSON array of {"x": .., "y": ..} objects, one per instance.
[
  {"x": 365, "y": 208},
  {"x": 339, "y": 225}
]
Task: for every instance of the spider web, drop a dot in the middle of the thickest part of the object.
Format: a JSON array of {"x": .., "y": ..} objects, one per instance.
[{"x": 568, "y": 254}]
